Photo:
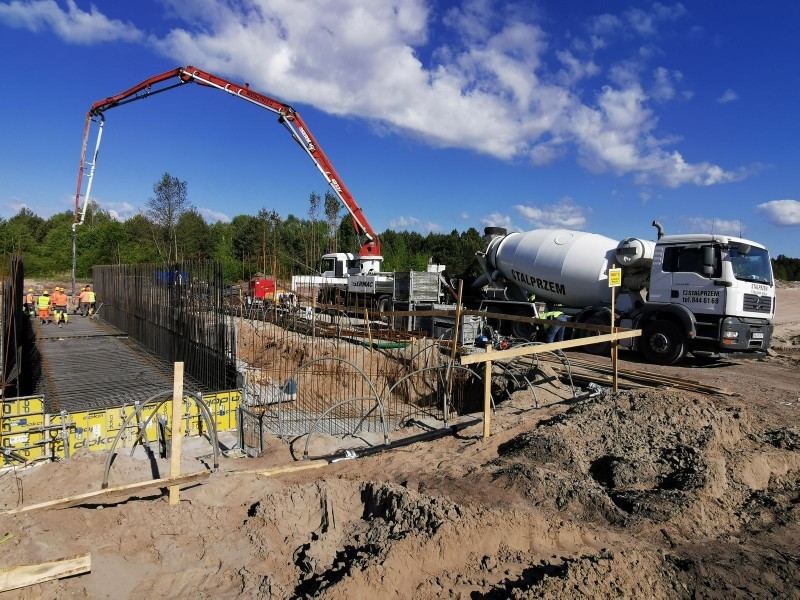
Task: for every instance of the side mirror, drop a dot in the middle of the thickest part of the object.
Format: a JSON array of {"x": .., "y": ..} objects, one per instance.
[{"x": 708, "y": 261}]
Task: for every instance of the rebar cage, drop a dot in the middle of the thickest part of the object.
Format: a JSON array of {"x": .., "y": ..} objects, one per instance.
[
  {"x": 19, "y": 355},
  {"x": 174, "y": 310},
  {"x": 339, "y": 369}
]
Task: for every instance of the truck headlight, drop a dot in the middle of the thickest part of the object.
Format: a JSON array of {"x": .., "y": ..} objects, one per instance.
[{"x": 730, "y": 334}]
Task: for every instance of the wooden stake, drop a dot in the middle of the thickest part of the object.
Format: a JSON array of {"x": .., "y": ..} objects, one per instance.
[
  {"x": 175, "y": 441},
  {"x": 614, "y": 342},
  {"x": 27, "y": 575},
  {"x": 458, "y": 319},
  {"x": 369, "y": 329},
  {"x": 487, "y": 396}
]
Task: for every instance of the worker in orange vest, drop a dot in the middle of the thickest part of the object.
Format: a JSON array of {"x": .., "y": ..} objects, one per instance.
[
  {"x": 60, "y": 307},
  {"x": 30, "y": 300},
  {"x": 43, "y": 304},
  {"x": 83, "y": 299}
]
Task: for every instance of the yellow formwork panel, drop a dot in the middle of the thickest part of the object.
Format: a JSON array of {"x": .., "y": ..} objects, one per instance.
[
  {"x": 21, "y": 429},
  {"x": 96, "y": 429}
]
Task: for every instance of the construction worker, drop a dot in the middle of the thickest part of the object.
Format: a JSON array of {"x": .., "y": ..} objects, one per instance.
[
  {"x": 43, "y": 304},
  {"x": 60, "y": 306},
  {"x": 83, "y": 300},
  {"x": 554, "y": 333},
  {"x": 89, "y": 300},
  {"x": 30, "y": 301}
]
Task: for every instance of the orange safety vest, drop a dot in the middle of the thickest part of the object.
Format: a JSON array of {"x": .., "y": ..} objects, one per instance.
[{"x": 28, "y": 298}]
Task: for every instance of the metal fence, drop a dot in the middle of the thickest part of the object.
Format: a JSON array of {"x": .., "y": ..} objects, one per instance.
[
  {"x": 174, "y": 310},
  {"x": 339, "y": 370},
  {"x": 21, "y": 367}
]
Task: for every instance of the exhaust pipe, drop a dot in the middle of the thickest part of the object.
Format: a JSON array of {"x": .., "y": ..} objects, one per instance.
[{"x": 659, "y": 228}]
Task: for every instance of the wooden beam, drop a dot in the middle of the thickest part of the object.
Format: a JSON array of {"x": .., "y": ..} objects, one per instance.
[
  {"x": 108, "y": 492},
  {"x": 471, "y": 359},
  {"x": 290, "y": 468},
  {"x": 487, "y": 396},
  {"x": 27, "y": 575},
  {"x": 498, "y": 316},
  {"x": 177, "y": 433}
]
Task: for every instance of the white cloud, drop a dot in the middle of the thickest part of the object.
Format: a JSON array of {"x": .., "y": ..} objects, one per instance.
[
  {"x": 73, "y": 25},
  {"x": 645, "y": 22},
  {"x": 15, "y": 207},
  {"x": 413, "y": 223},
  {"x": 489, "y": 89},
  {"x": 713, "y": 225},
  {"x": 497, "y": 219},
  {"x": 781, "y": 212},
  {"x": 465, "y": 216},
  {"x": 212, "y": 216},
  {"x": 119, "y": 211},
  {"x": 728, "y": 96},
  {"x": 564, "y": 214},
  {"x": 664, "y": 84}
]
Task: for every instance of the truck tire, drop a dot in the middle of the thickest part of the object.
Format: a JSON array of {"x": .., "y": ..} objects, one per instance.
[
  {"x": 523, "y": 331},
  {"x": 662, "y": 342},
  {"x": 601, "y": 348}
]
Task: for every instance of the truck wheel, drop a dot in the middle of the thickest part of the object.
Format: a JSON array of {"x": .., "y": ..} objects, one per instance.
[
  {"x": 524, "y": 331},
  {"x": 601, "y": 348},
  {"x": 662, "y": 343}
]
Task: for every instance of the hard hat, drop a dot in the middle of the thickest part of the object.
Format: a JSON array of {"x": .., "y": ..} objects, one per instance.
[
  {"x": 46, "y": 293},
  {"x": 30, "y": 290}
]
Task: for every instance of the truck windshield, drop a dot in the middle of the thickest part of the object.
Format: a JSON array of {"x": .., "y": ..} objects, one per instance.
[
  {"x": 327, "y": 264},
  {"x": 753, "y": 266}
]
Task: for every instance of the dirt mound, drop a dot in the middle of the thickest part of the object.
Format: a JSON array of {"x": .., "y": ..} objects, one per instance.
[{"x": 663, "y": 464}]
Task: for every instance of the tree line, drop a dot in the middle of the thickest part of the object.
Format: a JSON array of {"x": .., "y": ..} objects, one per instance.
[
  {"x": 785, "y": 268},
  {"x": 170, "y": 229}
]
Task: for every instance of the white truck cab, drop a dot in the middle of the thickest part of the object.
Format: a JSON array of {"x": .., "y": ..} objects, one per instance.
[{"x": 725, "y": 282}]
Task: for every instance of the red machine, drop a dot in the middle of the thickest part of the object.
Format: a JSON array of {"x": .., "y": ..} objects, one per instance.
[
  {"x": 262, "y": 288},
  {"x": 286, "y": 115}
]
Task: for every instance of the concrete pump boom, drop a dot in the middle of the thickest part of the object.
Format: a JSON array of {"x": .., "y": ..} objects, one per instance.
[{"x": 287, "y": 116}]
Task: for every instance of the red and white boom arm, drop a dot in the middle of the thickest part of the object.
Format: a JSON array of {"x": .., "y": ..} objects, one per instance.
[{"x": 287, "y": 116}]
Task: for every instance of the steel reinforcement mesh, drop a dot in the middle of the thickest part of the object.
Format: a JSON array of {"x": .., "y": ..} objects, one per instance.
[
  {"x": 174, "y": 310},
  {"x": 341, "y": 370},
  {"x": 21, "y": 366}
]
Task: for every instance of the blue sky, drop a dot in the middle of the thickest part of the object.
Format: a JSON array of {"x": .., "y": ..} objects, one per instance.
[{"x": 598, "y": 116}]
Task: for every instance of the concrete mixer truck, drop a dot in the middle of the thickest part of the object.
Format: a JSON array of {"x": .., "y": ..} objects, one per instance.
[{"x": 706, "y": 294}]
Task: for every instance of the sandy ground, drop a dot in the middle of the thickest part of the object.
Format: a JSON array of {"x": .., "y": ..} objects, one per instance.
[{"x": 654, "y": 493}]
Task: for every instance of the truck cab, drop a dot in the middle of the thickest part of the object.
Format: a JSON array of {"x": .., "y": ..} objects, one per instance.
[{"x": 717, "y": 289}]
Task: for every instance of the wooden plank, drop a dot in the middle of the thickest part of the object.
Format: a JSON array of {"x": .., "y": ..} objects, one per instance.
[
  {"x": 177, "y": 433},
  {"x": 27, "y": 575},
  {"x": 131, "y": 487},
  {"x": 498, "y": 316},
  {"x": 487, "y": 396},
  {"x": 471, "y": 359},
  {"x": 290, "y": 468}
]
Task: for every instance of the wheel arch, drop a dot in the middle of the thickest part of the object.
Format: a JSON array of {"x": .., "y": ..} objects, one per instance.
[{"x": 675, "y": 313}]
